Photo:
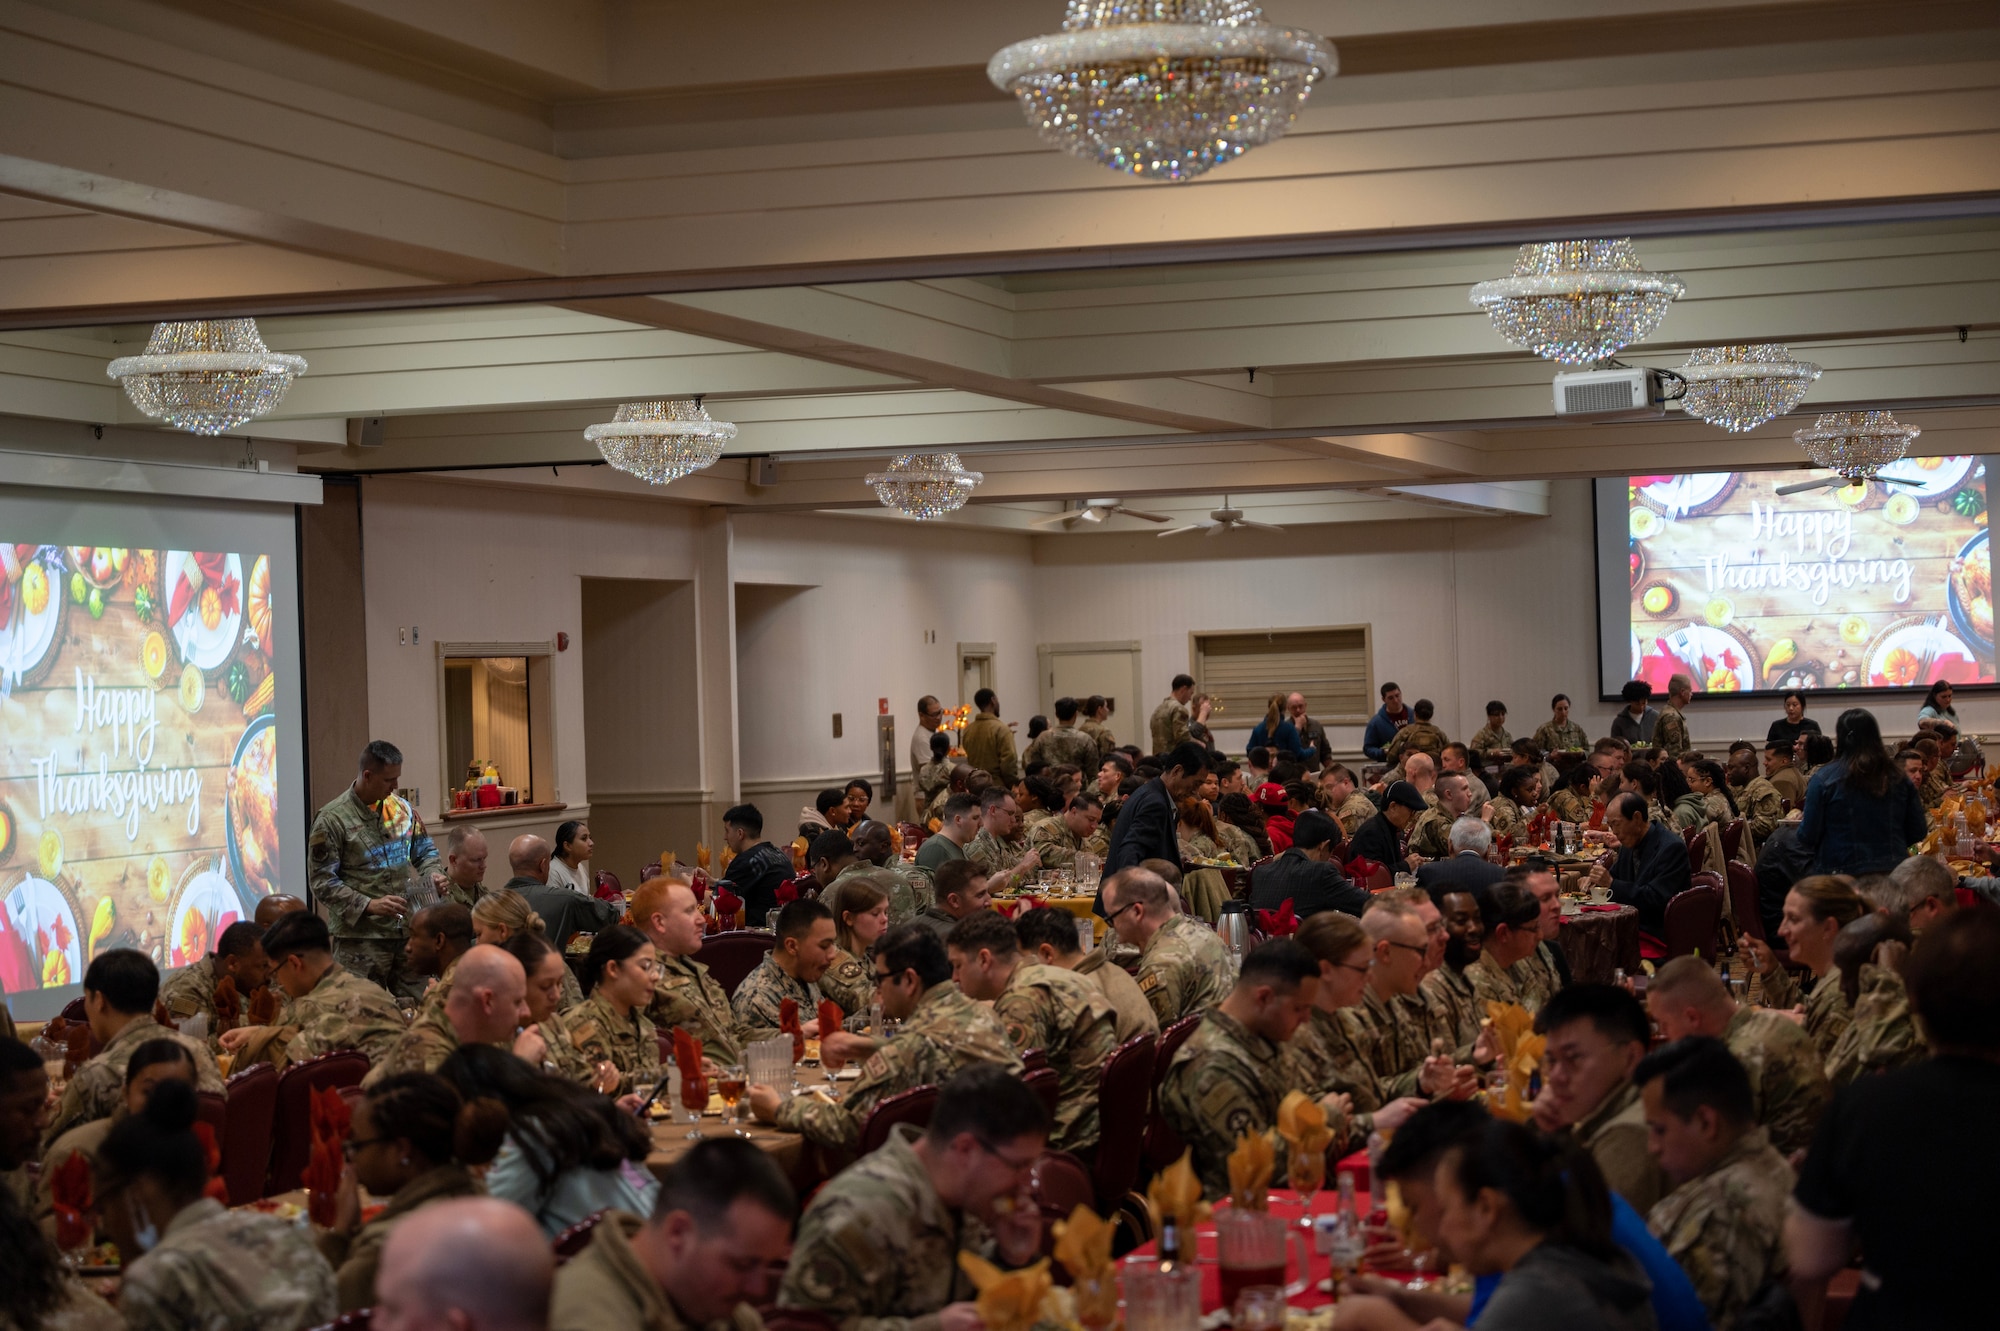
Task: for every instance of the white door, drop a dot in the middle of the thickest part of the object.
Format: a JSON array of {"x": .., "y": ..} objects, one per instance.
[
  {"x": 975, "y": 670},
  {"x": 1079, "y": 669}
]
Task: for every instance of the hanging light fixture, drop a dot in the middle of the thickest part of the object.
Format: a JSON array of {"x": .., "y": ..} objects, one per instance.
[
  {"x": 206, "y": 375},
  {"x": 661, "y": 441},
  {"x": 1739, "y": 387},
  {"x": 1164, "y": 89},
  {"x": 925, "y": 485},
  {"x": 1577, "y": 301},
  {"x": 1856, "y": 444}
]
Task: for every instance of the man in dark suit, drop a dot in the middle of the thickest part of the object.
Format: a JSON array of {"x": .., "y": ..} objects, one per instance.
[
  {"x": 1652, "y": 864},
  {"x": 1381, "y": 837},
  {"x": 1146, "y": 824},
  {"x": 1306, "y": 875},
  {"x": 1468, "y": 869},
  {"x": 564, "y": 913}
]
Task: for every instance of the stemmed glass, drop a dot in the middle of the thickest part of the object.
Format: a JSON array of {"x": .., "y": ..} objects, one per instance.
[
  {"x": 1419, "y": 1262},
  {"x": 694, "y": 1099},
  {"x": 732, "y": 1084},
  {"x": 1306, "y": 1172}
]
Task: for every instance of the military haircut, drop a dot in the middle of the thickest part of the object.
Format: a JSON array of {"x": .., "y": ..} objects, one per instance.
[
  {"x": 1057, "y": 928},
  {"x": 913, "y": 946},
  {"x": 379, "y": 754},
  {"x": 993, "y": 798},
  {"x": 450, "y": 921},
  {"x": 1182, "y": 682},
  {"x": 1065, "y": 710},
  {"x": 1508, "y": 903},
  {"x": 954, "y": 876},
  {"x": 1331, "y": 936},
  {"x": 987, "y": 929},
  {"x": 296, "y": 933},
  {"x": 1140, "y": 885},
  {"x": 796, "y": 918},
  {"x": 958, "y": 806},
  {"x": 717, "y": 1173},
  {"x": 985, "y": 698},
  {"x": 1279, "y": 962},
  {"x": 1695, "y": 1071},
  {"x": 124, "y": 977},
  {"x": 830, "y": 846},
  {"x": 1424, "y": 708},
  {"x": 1617, "y": 1015},
  {"x": 745, "y": 816},
  {"x": 991, "y": 1103},
  {"x": 1086, "y": 799},
  {"x": 238, "y": 939},
  {"x": 153, "y": 1053}
]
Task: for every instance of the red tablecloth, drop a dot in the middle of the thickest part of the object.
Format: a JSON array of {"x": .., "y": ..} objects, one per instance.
[{"x": 1284, "y": 1203}]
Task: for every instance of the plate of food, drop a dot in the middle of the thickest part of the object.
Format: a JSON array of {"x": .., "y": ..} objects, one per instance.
[
  {"x": 1915, "y": 652},
  {"x": 1930, "y": 477},
  {"x": 251, "y": 800},
  {"x": 204, "y": 597},
  {"x": 1685, "y": 496},
  {"x": 206, "y": 905},
  {"x": 1718, "y": 660},
  {"x": 1971, "y": 591},
  {"x": 31, "y": 607},
  {"x": 40, "y": 946}
]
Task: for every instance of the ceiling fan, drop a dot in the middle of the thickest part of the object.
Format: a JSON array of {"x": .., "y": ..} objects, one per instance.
[
  {"x": 1096, "y": 510},
  {"x": 1841, "y": 480},
  {"x": 1226, "y": 519}
]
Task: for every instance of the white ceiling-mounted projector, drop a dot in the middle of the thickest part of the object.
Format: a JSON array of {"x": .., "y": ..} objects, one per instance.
[{"x": 1610, "y": 395}]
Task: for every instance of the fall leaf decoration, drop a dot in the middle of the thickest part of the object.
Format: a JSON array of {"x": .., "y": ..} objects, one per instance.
[
  {"x": 1176, "y": 1192},
  {"x": 1520, "y": 1055},
  {"x": 1250, "y": 1168},
  {"x": 1008, "y": 1300},
  {"x": 70, "y": 1187}
]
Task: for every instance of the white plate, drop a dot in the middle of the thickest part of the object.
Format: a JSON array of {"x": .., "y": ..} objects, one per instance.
[
  {"x": 25, "y": 639},
  {"x": 1696, "y": 641},
  {"x": 214, "y": 896},
  {"x": 198, "y": 644},
  {"x": 37, "y": 904},
  {"x": 1920, "y": 639},
  {"x": 1683, "y": 494},
  {"x": 1929, "y": 484}
]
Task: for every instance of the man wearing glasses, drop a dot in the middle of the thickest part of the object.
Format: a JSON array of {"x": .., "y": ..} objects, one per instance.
[
  {"x": 1137, "y": 907},
  {"x": 878, "y": 1247},
  {"x": 1397, "y": 1048},
  {"x": 942, "y": 1031}
]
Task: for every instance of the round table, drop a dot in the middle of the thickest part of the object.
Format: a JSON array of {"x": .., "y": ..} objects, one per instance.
[
  {"x": 1284, "y": 1203},
  {"x": 1598, "y": 940}
]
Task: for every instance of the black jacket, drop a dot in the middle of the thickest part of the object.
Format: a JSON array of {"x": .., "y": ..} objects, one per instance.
[
  {"x": 1310, "y": 885},
  {"x": 754, "y": 876},
  {"x": 1651, "y": 874},
  {"x": 1378, "y": 840},
  {"x": 1145, "y": 830},
  {"x": 1463, "y": 872},
  {"x": 565, "y": 913}
]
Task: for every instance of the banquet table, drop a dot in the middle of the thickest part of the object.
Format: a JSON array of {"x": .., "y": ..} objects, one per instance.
[
  {"x": 788, "y": 1150},
  {"x": 1284, "y": 1203},
  {"x": 1598, "y": 940}
]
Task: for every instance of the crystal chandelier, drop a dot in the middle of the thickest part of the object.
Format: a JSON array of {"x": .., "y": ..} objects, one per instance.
[
  {"x": 661, "y": 441},
  {"x": 1857, "y": 444},
  {"x": 925, "y": 485},
  {"x": 1577, "y": 301},
  {"x": 1740, "y": 387},
  {"x": 1164, "y": 89},
  {"x": 206, "y": 375}
]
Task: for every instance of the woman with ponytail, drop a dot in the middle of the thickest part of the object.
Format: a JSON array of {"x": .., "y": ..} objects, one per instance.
[
  {"x": 611, "y": 1025},
  {"x": 503, "y": 913},
  {"x": 410, "y": 1140},
  {"x": 190, "y": 1261},
  {"x": 1816, "y": 910},
  {"x": 1534, "y": 1209}
]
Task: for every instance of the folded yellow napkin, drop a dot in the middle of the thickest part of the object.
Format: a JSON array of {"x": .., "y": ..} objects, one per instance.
[
  {"x": 1520, "y": 1054},
  {"x": 1083, "y": 1246},
  {"x": 1302, "y": 1123},
  {"x": 1008, "y": 1300},
  {"x": 1250, "y": 1166},
  {"x": 1176, "y": 1191}
]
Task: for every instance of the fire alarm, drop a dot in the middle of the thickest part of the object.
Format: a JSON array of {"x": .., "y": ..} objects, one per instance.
[{"x": 562, "y": 642}]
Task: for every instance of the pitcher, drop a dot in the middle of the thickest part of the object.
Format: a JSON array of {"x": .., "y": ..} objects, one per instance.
[{"x": 1250, "y": 1248}]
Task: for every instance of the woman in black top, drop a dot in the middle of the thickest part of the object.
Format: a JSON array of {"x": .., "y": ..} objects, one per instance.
[{"x": 1787, "y": 728}]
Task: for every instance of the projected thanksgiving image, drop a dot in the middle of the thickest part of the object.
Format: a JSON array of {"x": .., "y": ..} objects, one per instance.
[
  {"x": 1871, "y": 585},
  {"x": 138, "y": 768}
]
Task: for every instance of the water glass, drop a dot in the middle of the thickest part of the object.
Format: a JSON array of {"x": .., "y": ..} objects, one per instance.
[
  {"x": 1086, "y": 932},
  {"x": 771, "y": 919},
  {"x": 1161, "y": 1300},
  {"x": 1259, "y": 1308}
]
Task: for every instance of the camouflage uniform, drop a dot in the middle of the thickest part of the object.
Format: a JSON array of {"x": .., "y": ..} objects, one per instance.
[
  {"x": 1321, "y": 1058},
  {"x": 757, "y": 1000},
  {"x": 1553, "y": 738},
  {"x": 1059, "y": 847},
  {"x": 1455, "y": 1007},
  {"x": 190, "y": 992},
  {"x": 1507, "y": 819},
  {"x": 877, "y": 1249},
  {"x": 98, "y": 1088},
  {"x": 1932, "y": 791},
  {"x": 1206, "y": 945},
  {"x": 1430, "y": 835},
  {"x": 566, "y": 1057},
  {"x": 1225, "y": 1082},
  {"x": 902, "y": 899},
  {"x": 1134, "y": 1014},
  {"x": 849, "y": 982},
  {"x": 1494, "y": 984},
  {"x": 217, "y": 1268},
  {"x": 356, "y": 1257},
  {"x": 989, "y": 746},
  {"x": 1100, "y": 735},
  {"x": 466, "y": 895},
  {"x": 1726, "y": 1227},
  {"x": 627, "y": 1043},
  {"x": 1827, "y": 1015},
  {"x": 1786, "y": 1077},
  {"x": 1355, "y": 810},
  {"x": 434, "y": 997},
  {"x": 353, "y": 858},
  {"x": 1762, "y": 807},
  {"x": 1416, "y": 737},
  {"x": 1882, "y": 1031},
  {"x": 1169, "y": 725},
  {"x": 1174, "y": 982},
  {"x": 1536, "y": 977},
  {"x": 342, "y": 1011},
  {"x": 1237, "y": 844},
  {"x": 422, "y": 1048},
  {"x": 1064, "y": 744},
  {"x": 607, "y": 1288},
  {"x": 1490, "y": 739},
  {"x": 1069, "y": 1019},
  {"x": 684, "y": 996},
  {"x": 1670, "y": 732},
  {"x": 933, "y": 777},
  {"x": 994, "y": 856},
  {"x": 947, "y": 1031},
  {"x": 1568, "y": 805},
  {"x": 1389, "y": 1041},
  {"x": 1615, "y": 1135}
]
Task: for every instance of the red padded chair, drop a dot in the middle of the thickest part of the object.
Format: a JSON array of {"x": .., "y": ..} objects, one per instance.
[
  {"x": 913, "y": 835},
  {"x": 212, "y": 1108},
  {"x": 1696, "y": 840},
  {"x": 1692, "y": 918},
  {"x": 1743, "y": 899},
  {"x": 608, "y": 886},
  {"x": 246, "y": 1148},
  {"x": 1163, "y": 1144},
  {"x": 911, "y": 1106},
  {"x": 576, "y": 1238},
  {"x": 1059, "y": 1184},
  {"x": 1044, "y": 1082},
  {"x": 733, "y": 954},
  {"x": 1124, "y": 1088},
  {"x": 650, "y": 871},
  {"x": 1732, "y": 839},
  {"x": 291, "y": 1120}
]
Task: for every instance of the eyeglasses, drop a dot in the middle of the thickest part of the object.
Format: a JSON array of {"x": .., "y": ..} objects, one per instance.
[
  {"x": 1017, "y": 1166},
  {"x": 1407, "y": 947},
  {"x": 1358, "y": 970},
  {"x": 1112, "y": 918},
  {"x": 883, "y": 977}
]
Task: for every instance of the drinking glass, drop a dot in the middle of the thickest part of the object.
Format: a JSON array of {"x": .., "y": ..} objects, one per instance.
[
  {"x": 771, "y": 919},
  {"x": 694, "y": 1099},
  {"x": 1158, "y": 1299},
  {"x": 732, "y": 1084},
  {"x": 1306, "y": 1172},
  {"x": 1259, "y": 1308},
  {"x": 1086, "y": 932},
  {"x": 1420, "y": 1262}
]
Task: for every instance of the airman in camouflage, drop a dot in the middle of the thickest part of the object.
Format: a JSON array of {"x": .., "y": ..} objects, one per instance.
[
  {"x": 995, "y": 856},
  {"x": 897, "y": 888},
  {"x": 190, "y": 992},
  {"x": 1135, "y": 1015},
  {"x": 1205, "y": 944},
  {"x": 1934, "y": 787},
  {"x": 1615, "y": 1135},
  {"x": 1068, "y": 1018},
  {"x": 1389, "y": 1040},
  {"x": 1725, "y": 1227},
  {"x": 1786, "y": 1076},
  {"x": 606, "y": 1287},
  {"x": 1827, "y": 1014},
  {"x": 358, "y": 854},
  {"x": 1322, "y": 1058},
  {"x": 566, "y": 1057},
  {"x": 1508, "y": 820},
  {"x": 434, "y": 997},
  {"x": 1670, "y": 732},
  {"x": 1882, "y": 1033},
  {"x": 1225, "y": 1082},
  {"x": 1174, "y": 982},
  {"x": 1169, "y": 725},
  {"x": 1061, "y": 744},
  {"x": 933, "y": 777},
  {"x": 1430, "y": 835},
  {"x": 1536, "y": 977},
  {"x": 422, "y": 1048},
  {"x": 1100, "y": 735},
  {"x": 1058, "y": 846},
  {"x": 627, "y": 1043},
  {"x": 850, "y": 982},
  {"x": 686, "y": 996},
  {"x": 1455, "y": 1007},
  {"x": 1762, "y": 807},
  {"x": 1569, "y": 805},
  {"x": 758, "y": 999},
  {"x": 1355, "y": 810},
  {"x": 342, "y": 1011},
  {"x": 214, "y": 1267},
  {"x": 1416, "y": 737},
  {"x": 1494, "y": 983},
  {"x": 877, "y": 1249},
  {"x": 946, "y": 1031},
  {"x": 97, "y": 1090}
]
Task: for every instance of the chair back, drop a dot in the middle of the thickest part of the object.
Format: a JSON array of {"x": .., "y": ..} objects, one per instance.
[
  {"x": 911, "y": 1106},
  {"x": 212, "y": 1108},
  {"x": 1044, "y": 1082},
  {"x": 913, "y": 835},
  {"x": 1163, "y": 1144},
  {"x": 576, "y": 1238},
  {"x": 608, "y": 886},
  {"x": 650, "y": 871},
  {"x": 1691, "y": 919},
  {"x": 731, "y": 955},
  {"x": 1696, "y": 841},
  {"x": 1124, "y": 1087},
  {"x": 1059, "y": 1184},
  {"x": 1032, "y": 1059},
  {"x": 1732, "y": 838},
  {"x": 291, "y": 1118},
  {"x": 252, "y": 1096},
  {"x": 1743, "y": 901}
]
